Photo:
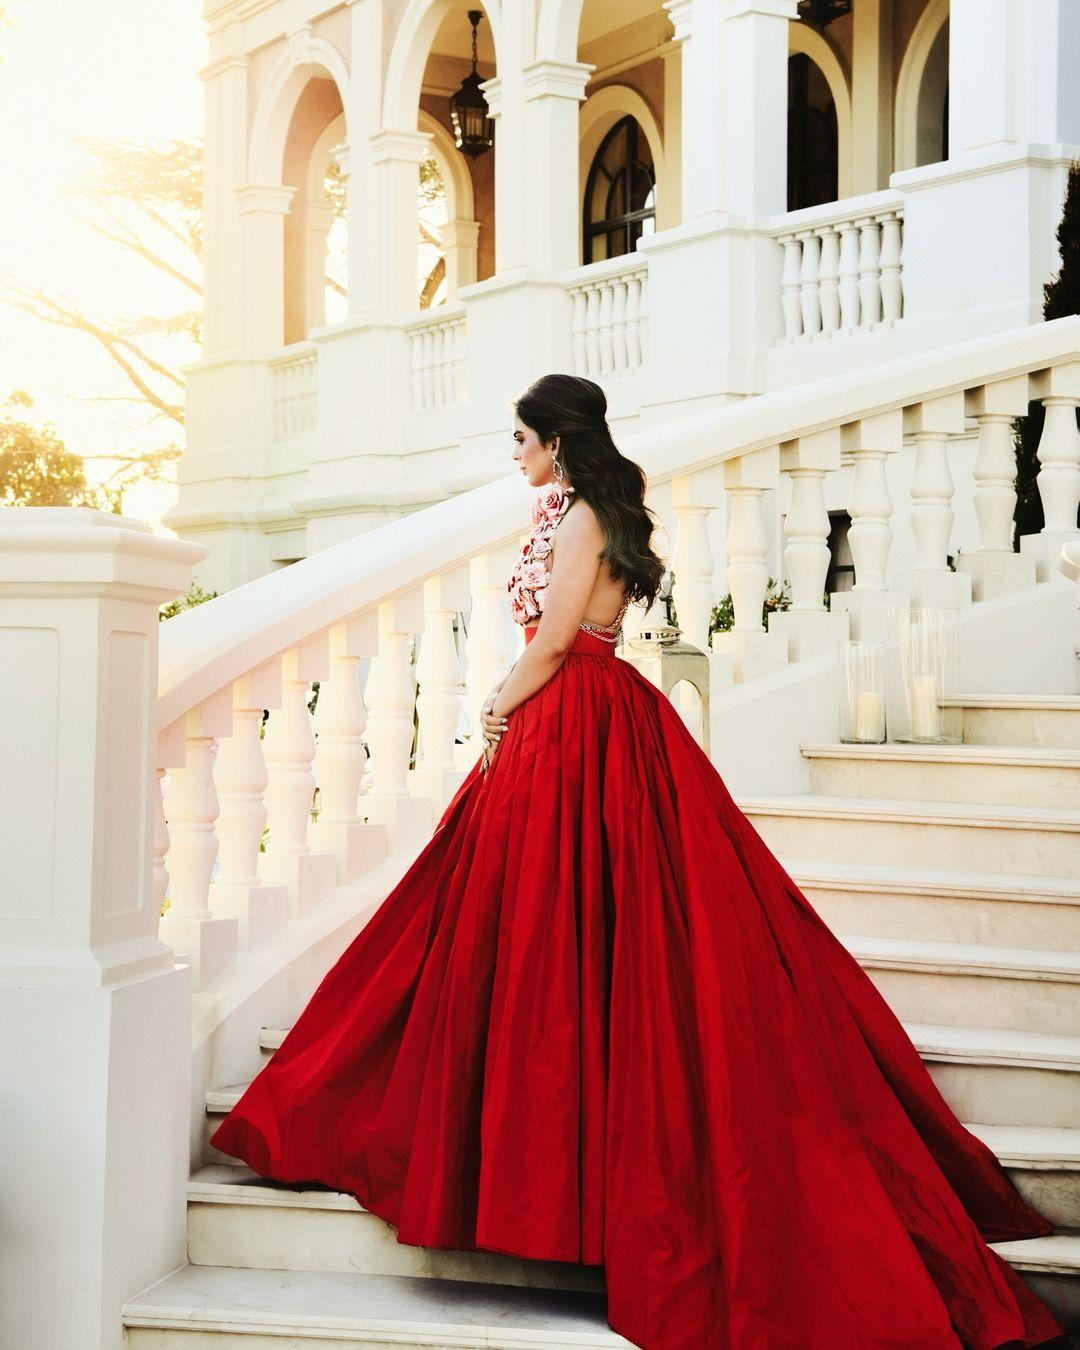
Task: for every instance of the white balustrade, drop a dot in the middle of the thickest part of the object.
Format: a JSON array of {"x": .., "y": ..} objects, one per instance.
[
  {"x": 438, "y": 358},
  {"x": 610, "y": 318},
  {"x": 842, "y": 268},
  {"x": 295, "y": 391}
]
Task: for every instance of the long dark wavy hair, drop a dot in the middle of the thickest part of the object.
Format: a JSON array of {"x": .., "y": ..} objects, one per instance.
[{"x": 575, "y": 409}]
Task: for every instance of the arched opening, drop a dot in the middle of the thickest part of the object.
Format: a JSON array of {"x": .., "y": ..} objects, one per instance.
[
  {"x": 455, "y": 201},
  {"x": 620, "y": 193},
  {"x": 315, "y": 282},
  {"x": 812, "y": 140},
  {"x": 922, "y": 91},
  {"x": 932, "y": 128}
]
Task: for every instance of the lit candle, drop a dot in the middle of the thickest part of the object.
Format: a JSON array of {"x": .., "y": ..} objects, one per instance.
[
  {"x": 869, "y": 716},
  {"x": 925, "y": 707}
]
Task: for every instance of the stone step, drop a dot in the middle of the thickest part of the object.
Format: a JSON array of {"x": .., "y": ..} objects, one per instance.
[
  {"x": 972, "y": 984},
  {"x": 987, "y": 1074},
  {"x": 942, "y": 904},
  {"x": 237, "y": 1218},
  {"x": 1020, "y": 719},
  {"x": 1003, "y": 1077},
  {"x": 1014, "y": 775},
  {"x": 1032, "y": 839},
  {"x": 197, "y": 1306}
]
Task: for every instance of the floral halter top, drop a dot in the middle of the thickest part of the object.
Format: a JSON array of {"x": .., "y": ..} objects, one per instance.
[{"x": 528, "y": 581}]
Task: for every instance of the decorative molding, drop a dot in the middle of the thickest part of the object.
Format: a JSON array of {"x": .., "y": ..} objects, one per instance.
[
  {"x": 270, "y": 197},
  {"x": 556, "y": 79}
]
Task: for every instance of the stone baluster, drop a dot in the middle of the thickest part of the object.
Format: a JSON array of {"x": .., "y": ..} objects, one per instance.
[
  {"x": 618, "y": 325},
  {"x": 870, "y": 442},
  {"x": 241, "y": 780},
  {"x": 634, "y": 284},
  {"x": 869, "y": 271},
  {"x": 931, "y": 582},
  {"x": 892, "y": 288},
  {"x": 752, "y": 650},
  {"x": 581, "y": 359},
  {"x": 493, "y": 638},
  {"x": 848, "y": 285},
  {"x": 592, "y": 329},
  {"x": 289, "y": 749},
  {"x": 790, "y": 286},
  {"x": 994, "y": 568},
  {"x": 170, "y": 755},
  {"x": 692, "y": 560},
  {"x": 1059, "y": 466},
  {"x": 341, "y": 755},
  {"x": 439, "y": 702},
  {"x": 643, "y": 317},
  {"x": 809, "y": 275},
  {"x": 607, "y": 351},
  {"x": 829, "y": 272},
  {"x": 390, "y": 695},
  {"x": 190, "y": 928},
  {"x": 808, "y": 626}
]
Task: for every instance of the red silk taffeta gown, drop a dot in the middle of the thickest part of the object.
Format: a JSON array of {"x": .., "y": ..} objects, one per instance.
[{"x": 596, "y": 1021}]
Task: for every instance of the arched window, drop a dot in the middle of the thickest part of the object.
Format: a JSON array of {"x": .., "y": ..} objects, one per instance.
[
  {"x": 811, "y": 138},
  {"x": 620, "y": 193}
]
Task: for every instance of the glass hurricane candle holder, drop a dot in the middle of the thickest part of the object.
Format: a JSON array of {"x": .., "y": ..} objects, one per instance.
[
  {"x": 862, "y": 701},
  {"x": 929, "y": 650}
]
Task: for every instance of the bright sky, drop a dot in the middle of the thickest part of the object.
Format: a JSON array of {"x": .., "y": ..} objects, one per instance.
[{"x": 125, "y": 71}]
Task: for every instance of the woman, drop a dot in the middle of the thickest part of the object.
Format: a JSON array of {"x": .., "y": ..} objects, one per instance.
[{"x": 597, "y": 1022}]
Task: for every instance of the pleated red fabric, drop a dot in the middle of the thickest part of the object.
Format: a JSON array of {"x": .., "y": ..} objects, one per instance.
[{"x": 596, "y": 1021}]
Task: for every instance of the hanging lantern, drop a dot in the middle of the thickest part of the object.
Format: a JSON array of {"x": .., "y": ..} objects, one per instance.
[
  {"x": 820, "y": 13},
  {"x": 474, "y": 130}
]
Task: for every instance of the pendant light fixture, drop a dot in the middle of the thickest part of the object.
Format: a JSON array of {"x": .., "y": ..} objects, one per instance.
[
  {"x": 820, "y": 13},
  {"x": 474, "y": 130}
]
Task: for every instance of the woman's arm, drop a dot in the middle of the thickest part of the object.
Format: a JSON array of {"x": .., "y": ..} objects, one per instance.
[{"x": 574, "y": 568}]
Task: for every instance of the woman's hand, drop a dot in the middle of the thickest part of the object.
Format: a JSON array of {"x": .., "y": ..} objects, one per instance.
[{"x": 492, "y": 728}]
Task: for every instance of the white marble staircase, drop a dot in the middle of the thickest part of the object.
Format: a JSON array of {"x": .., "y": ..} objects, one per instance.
[{"x": 951, "y": 872}]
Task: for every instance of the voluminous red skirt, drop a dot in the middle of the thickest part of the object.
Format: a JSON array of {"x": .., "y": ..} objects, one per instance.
[{"x": 596, "y": 1021}]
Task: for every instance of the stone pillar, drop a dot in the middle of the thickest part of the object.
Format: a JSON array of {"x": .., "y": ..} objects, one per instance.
[
  {"x": 396, "y": 157},
  {"x": 734, "y": 176},
  {"x": 554, "y": 91},
  {"x": 872, "y": 113},
  {"x": 95, "y": 1017},
  {"x": 225, "y": 95},
  {"x": 1014, "y": 126}
]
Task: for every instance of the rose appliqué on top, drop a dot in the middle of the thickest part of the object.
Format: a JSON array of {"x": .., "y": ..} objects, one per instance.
[{"x": 528, "y": 581}]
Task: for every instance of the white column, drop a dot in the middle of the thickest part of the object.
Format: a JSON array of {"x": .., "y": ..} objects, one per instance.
[
  {"x": 364, "y": 117},
  {"x": 554, "y": 91},
  {"x": 225, "y": 95},
  {"x": 396, "y": 157},
  {"x": 263, "y": 209},
  {"x": 95, "y": 1016},
  {"x": 1014, "y": 126},
  {"x": 872, "y": 82}
]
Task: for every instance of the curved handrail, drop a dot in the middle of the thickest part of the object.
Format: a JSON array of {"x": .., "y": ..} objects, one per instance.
[{"x": 205, "y": 648}]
